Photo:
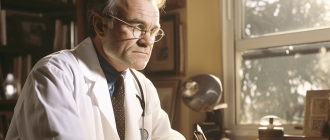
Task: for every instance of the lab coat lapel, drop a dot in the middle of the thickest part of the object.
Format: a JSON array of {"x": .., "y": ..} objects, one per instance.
[
  {"x": 90, "y": 67},
  {"x": 102, "y": 95},
  {"x": 132, "y": 107}
]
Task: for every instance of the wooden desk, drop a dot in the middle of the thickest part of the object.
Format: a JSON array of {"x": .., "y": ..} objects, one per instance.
[{"x": 304, "y": 138}]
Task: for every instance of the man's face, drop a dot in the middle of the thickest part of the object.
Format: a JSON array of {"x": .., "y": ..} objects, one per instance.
[{"x": 119, "y": 44}]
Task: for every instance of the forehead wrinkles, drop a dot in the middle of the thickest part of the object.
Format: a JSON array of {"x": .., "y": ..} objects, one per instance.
[
  {"x": 138, "y": 6},
  {"x": 139, "y": 10},
  {"x": 145, "y": 15}
]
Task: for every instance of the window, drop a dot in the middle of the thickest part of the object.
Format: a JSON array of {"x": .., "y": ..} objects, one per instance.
[
  {"x": 273, "y": 52},
  {"x": 264, "y": 17},
  {"x": 274, "y": 81}
]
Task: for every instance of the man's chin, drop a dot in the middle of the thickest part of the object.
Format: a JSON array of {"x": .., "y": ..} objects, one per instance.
[{"x": 140, "y": 66}]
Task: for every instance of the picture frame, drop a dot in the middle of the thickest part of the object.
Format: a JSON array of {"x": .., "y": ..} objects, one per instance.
[
  {"x": 165, "y": 57},
  {"x": 174, "y": 4},
  {"x": 317, "y": 111},
  {"x": 168, "y": 91},
  {"x": 35, "y": 32}
]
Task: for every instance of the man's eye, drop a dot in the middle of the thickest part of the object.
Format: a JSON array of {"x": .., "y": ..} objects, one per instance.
[{"x": 140, "y": 26}]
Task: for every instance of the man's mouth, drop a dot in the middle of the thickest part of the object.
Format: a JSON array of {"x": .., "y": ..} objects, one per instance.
[{"x": 140, "y": 52}]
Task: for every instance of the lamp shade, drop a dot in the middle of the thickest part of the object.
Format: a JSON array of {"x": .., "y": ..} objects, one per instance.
[{"x": 202, "y": 92}]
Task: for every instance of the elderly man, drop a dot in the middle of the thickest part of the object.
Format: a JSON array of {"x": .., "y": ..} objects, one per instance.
[{"x": 92, "y": 92}]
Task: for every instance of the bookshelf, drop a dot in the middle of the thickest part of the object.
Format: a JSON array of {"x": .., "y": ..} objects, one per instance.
[
  {"x": 71, "y": 14},
  {"x": 65, "y": 11}
]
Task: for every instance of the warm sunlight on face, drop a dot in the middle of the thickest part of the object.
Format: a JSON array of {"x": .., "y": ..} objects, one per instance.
[{"x": 120, "y": 44}]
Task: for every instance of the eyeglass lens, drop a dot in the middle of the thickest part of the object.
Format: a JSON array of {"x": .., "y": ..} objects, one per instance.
[{"x": 156, "y": 34}]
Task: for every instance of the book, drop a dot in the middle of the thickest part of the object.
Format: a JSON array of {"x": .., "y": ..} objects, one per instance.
[
  {"x": 17, "y": 69},
  {"x": 75, "y": 35},
  {"x": 28, "y": 65},
  {"x": 58, "y": 34},
  {"x": 25, "y": 69},
  {"x": 2, "y": 85},
  {"x": 72, "y": 35},
  {"x": 64, "y": 35},
  {"x": 3, "y": 28},
  {"x": 19, "y": 76},
  {"x": 65, "y": 32}
]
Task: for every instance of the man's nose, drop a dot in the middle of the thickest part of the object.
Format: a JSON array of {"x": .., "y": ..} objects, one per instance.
[{"x": 146, "y": 40}]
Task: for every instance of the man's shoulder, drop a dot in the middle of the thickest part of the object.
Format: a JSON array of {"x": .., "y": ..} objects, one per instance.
[{"x": 58, "y": 59}]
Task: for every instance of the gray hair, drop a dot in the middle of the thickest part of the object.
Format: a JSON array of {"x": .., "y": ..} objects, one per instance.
[
  {"x": 100, "y": 7},
  {"x": 106, "y": 6}
]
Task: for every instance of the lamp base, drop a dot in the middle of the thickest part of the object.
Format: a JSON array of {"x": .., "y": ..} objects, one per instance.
[{"x": 271, "y": 134}]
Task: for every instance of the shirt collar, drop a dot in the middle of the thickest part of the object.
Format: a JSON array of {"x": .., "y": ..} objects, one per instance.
[{"x": 111, "y": 74}]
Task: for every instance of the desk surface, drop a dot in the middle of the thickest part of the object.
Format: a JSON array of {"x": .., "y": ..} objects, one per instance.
[{"x": 304, "y": 138}]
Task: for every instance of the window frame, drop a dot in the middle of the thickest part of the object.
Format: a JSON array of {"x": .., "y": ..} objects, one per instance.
[{"x": 231, "y": 27}]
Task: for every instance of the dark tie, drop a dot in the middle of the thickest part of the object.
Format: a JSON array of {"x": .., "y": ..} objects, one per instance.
[{"x": 118, "y": 99}]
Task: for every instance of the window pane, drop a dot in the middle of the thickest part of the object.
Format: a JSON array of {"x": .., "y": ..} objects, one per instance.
[
  {"x": 271, "y": 16},
  {"x": 274, "y": 81}
]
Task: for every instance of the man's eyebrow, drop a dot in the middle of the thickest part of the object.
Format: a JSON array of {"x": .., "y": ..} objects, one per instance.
[
  {"x": 135, "y": 20},
  {"x": 139, "y": 21}
]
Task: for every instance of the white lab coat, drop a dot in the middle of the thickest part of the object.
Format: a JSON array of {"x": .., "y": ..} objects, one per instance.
[{"x": 66, "y": 97}]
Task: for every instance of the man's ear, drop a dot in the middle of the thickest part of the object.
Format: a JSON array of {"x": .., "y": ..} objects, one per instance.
[{"x": 100, "y": 25}]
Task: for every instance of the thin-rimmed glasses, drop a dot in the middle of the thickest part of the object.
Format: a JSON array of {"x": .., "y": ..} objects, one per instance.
[{"x": 156, "y": 34}]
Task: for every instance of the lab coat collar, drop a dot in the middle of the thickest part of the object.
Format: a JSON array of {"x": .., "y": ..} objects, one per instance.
[
  {"x": 91, "y": 69},
  {"x": 87, "y": 59}
]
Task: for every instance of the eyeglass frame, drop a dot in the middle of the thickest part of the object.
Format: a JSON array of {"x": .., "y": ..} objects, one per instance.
[{"x": 143, "y": 32}]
